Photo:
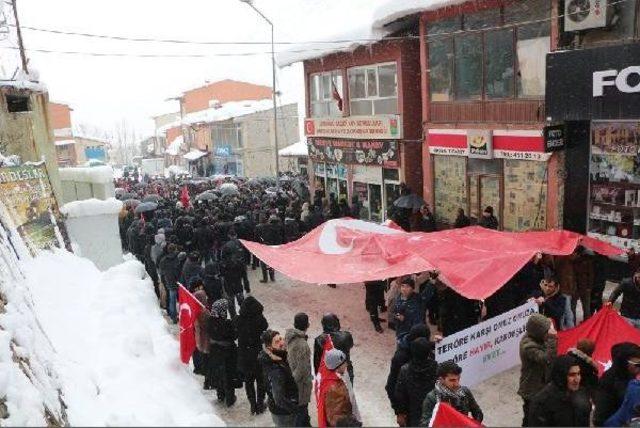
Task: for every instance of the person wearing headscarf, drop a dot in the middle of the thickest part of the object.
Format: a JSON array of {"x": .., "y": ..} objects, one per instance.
[{"x": 223, "y": 354}]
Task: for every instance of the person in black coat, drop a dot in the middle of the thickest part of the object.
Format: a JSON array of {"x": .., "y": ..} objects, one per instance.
[
  {"x": 425, "y": 220},
  {"x": 170, "y": 271},
  {"x": 457, "y": 312},
  {"x": 401, "y": 357},
  {"x": 613, "y": 383},
  {"x": 563, "y": 402},
  {"x": 223, "y": 353},
  {"x": 191, "y": 268},
  {"x": 282, "y": 390},
  {"x": 461, "y": 220},
  {"x": 234, "y": 271},
  {"x": 270, "y": 233},
  {"x": 251, "y": 324},
  {"x": 588, "y": 367},
  {"x": 416, "y": 379},
  {"x": 488, "y": 220},
  {"x": 212, "y": 281},
  {"x": 342, "y": 340},
  {"x": 374, "y": 298}
]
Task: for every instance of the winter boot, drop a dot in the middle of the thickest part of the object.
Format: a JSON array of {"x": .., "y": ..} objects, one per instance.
[{"x": 376, "y": 323}]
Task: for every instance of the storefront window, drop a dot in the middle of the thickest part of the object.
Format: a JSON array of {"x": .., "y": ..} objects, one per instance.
[
  {"x": 499, "y": 64},
  {"x": 450, "y": 185},
  {"x": 614, "y": 213},
  {"x": 373, "y": 90},
  {"x": 375, "y": 202},
  {"x": 321, "y": 92},
  {"x": 468, "y": 60},
  {"x": 441, "y": 69},
  {"x": 525, "y": 192}
]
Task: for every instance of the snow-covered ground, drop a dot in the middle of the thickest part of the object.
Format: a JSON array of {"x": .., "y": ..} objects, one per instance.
[
  {"x": 371, "y": 354},
  {"x": 100, "y": 338}
]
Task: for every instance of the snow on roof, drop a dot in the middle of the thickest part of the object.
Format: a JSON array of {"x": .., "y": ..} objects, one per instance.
[
  {"x": 227, "y": 111},
  {"x": 64, "y": 142},
  {"x": 297, "y": 149},
  {"x": 91, "y": 207},
  {"x": 194, "y": 155},
  {"x": 392, "y": 10},
  {"x": 24, "y": 80},
  {"x": 87, "y": 137},
  {"x": 174, "y": 147},
  {"x": 97, "y": 174}
]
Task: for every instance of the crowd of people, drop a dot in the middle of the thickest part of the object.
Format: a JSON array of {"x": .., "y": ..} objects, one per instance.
[{"x": 190, "y": 235}]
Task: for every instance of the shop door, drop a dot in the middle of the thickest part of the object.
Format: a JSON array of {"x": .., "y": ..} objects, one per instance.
[
  {"x": 391, "y": 193},
  {"x": 375, "y": 202},
  {"x": 484, "y": 191},
  {"x": 342, "y": 185}
]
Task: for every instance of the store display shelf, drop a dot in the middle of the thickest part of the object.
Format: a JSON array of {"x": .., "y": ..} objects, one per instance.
[
  {"x": 619, "y": 184},
  {"x": 610, "y": 204},
  {"x": 612, "y": 221}
]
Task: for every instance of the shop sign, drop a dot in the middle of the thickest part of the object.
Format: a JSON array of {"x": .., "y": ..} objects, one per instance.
[
  {"x": 355, "y": 152},
  {"x": 598, "y": 83},
  {"x": 223, "y": 150},
  {"x": 448, "y": 151},
  {"x": 554, "y": 138},
  {"x": 480, "y": 143},
  {"x": 518, "y": 155},
  {"x": 379, "y": 127}
]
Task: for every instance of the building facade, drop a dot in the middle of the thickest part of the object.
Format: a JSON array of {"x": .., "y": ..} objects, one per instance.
[
  {"x": 363, "y": 123},
  {"x": 483, "y": 87},
  {"x": 593, "y": 99},
  {"x": 65, "y": 145}
]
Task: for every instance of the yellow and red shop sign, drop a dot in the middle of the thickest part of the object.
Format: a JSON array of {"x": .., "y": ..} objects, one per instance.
[{"x": 380, "y": 127}]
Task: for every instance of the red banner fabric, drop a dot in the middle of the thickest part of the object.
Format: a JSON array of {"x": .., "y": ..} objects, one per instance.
[
  {"x": 446, "y": 416},
  {"x": 606, "y": 328},
  {"x": 190, "y": 309},
  {"x": 474, "y": 261},
  {"x": 324, "y": 379}
]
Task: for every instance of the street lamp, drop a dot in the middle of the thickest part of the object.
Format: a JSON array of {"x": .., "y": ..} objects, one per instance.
[{"x": 273, "y": 76}]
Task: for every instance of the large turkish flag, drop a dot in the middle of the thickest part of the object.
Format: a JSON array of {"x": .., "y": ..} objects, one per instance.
[{"x": 445, "y": 415}]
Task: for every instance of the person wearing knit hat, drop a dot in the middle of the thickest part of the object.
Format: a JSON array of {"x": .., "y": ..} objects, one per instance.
[
  {"x": 336, "y": 391},
  {"x": 538, "y": 348}
]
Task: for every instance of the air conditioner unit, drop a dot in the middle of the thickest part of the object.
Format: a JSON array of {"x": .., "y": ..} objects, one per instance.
[{"x": 585, "y": 14}]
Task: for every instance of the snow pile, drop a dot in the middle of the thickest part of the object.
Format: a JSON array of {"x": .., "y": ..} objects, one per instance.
[
  {"x": 296, "y": 149},
  {"x": 97, "y": 175},
  {"x": 175, "y": 170},
  {"x": 116, "y": 360},
  {"x": 194, "y": 155},
  {"x": 175, "y": 146},
  {"x": 64, "y": 142},
  {"x": 227, "y": 111},
  {"x": 91, "y": 207},
  {"x": 91, "y": 138},
  {"x": 392, "y": 10},
  {"x": 29, "y": 81},
  {"x": 11, "y": 160}
]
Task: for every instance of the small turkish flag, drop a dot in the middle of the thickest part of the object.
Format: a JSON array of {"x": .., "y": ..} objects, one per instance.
[
  {"x": 445, "y": 415},
  {"x": 190, "y": 309},
  {"x": 184, "y": 197},
  {"x": 336, "y": 95}
]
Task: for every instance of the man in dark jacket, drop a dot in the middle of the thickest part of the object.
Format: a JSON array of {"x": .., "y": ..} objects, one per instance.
[
  {"x": 449, "y": 390},
  {"x": 552, "y": 303},
  {"x": 170, "y": 270},
  {"x": 270, "y": 233},
  {"x": 342, "y": 340},
  {"x": 212, "y": 281},
  {"x": 408, "y": 308},
  {"x": 488, "y": 220},
  {"x": 613, "y": 383},
  {"x": 234, "y": 271},
  {"x": 417, "y": 378},
  {"x": 457, "y": 312},
  {"x": 562, "y": 402},
  {"x": 401, "y": 357},
  {"x": 537, "y": 351},
  {"x": 374, "y": 298},
  {"x": 300, "y": 363},
  {"x": 191, "y": 268},
  {"x": 630, "y": 290},
  {"x": 281, "y": 386},
  {"x": 588, "y": 367},
  {"x": 251, "y": 323}
]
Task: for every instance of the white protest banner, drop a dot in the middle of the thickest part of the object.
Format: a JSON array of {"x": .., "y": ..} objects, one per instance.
[{"x": 488, "y": 348}]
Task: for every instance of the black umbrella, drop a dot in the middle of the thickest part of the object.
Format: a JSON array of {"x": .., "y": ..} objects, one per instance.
[
  {"x": 228, "y": 189},
  {"x": 128, "y": 195},
  {"x": 146, "y": 207},
  {"x": 207, "y": 196},
  {"x": 151, "y": 198},
  {"x": 411, "y": 201}
]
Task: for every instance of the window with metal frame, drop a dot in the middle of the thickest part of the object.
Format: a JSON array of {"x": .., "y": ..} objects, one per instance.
[
  {"x": 323, "y": 88},
  {"x": 373, "y": 89}
]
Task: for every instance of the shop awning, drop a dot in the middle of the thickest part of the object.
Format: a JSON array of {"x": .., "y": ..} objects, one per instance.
[
  {"x": 297, "y": 149},
  {"x": 64, "y": 142},
  {"x": 474, "y": 261},
  {"x": 194, "y": 155}
]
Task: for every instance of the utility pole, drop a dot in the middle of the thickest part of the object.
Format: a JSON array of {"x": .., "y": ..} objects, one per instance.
[{"x": 20, "y": 43}]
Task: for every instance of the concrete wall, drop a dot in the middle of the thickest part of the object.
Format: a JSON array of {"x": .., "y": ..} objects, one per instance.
[
  {"x": 258, "y": 152},
  {"x": 97, "y": 238},
  {"x": 28, "y": 134}
]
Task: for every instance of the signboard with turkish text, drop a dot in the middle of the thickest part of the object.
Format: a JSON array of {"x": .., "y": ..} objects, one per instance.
[
  {"x": 28, "y": 202},
  {"x": 355, "y": 152},
  {"x": 489, "y": 347},
  {"x": 380, "y": 127},
  {"x": 554, "y": 138},
  {"x": 596, "y": 83}
]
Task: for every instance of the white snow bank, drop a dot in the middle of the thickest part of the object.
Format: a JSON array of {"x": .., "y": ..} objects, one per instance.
[
  {"x": 392, "y": 10},
  {"x": 96, "y": 175},
  {"x": 175, "y": 170},
  {"x": 174, "y": 148},
  {"x": 91, "y": 207},
  {"x": 194, "y": 155},
  {"x": 296, "y": 149},
  {"x": 118, "y": 363},
  {"x": 227, "y": 111}
]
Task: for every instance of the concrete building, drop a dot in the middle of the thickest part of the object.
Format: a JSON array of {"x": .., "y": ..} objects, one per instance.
[
  {"x": 25, "y": 126},
  {"x": 65, "y": 145},
  {"x": 88, "y": 148}
]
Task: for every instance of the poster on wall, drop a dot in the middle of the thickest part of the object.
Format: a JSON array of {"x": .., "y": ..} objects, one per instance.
[
  {"x": 622, "y": 138},
  {"x": 382, "y": 153},
  {"x": 489, "y": 347},
  {"x": 27, "y": 201}
]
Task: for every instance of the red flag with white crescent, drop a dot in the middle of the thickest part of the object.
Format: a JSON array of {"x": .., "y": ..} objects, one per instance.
[
  {"x": 445, "y": 415},
  {"x": 190, "y": 309}
]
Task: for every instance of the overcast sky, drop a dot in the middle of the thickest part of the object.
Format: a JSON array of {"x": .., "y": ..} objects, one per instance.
[{"x": 103, "y": 90}]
